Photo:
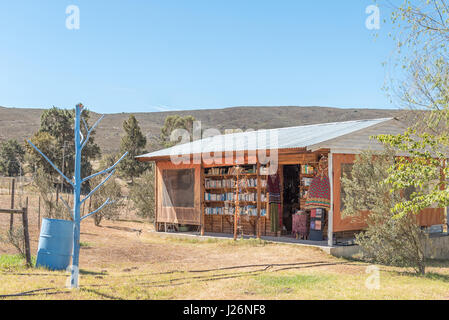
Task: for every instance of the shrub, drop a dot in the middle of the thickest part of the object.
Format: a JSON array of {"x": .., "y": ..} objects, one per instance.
[
  {"x": 142, "y": 195},
  {"x": 388, "y": 239}
]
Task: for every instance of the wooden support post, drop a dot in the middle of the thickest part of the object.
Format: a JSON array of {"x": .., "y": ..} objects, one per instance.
[
  {"x": 330, "y": 216},
  {"x": 281, "y": 211},
  {"x": 267, "y": 214},
  {"x": 259, "y": 190},
  {"x": 11, "y": 219},
  {"x": 39, "y": 214},
  {"x": 26, "y": 234},
  {"x": 90, "y": 204},
  {"x": 237, "y": 203},
  {"x": 202, "y": 187}
]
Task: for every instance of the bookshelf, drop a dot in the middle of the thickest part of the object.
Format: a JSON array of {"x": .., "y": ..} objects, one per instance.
[
  {"x": 225, "y": 190},
  {"x": 306, "y": 175}
]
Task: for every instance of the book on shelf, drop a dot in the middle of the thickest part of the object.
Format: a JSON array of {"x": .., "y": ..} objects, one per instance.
[
  {"x": 306, "y": 181},
  {"x": 231, "y": 196},
  {"x": 244, "y": 210},
  {"x": 307, "y": 169},
  {"x": 231, "y": 183}
]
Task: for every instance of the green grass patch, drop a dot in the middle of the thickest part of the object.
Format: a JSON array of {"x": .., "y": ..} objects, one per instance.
[
  {"x": 298, "y": 280},
  {"x": 14, "y": 261},
  {"x": 85, "y": 244}
]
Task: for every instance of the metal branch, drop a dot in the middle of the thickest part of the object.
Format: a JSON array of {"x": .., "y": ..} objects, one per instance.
[
  {"x": 51, "y": 163},
  {"x": 106, "y": 170},
  {"x": 93, "y": 212},
  {"x": 99, "y": 185},
  {"x": 90, "y": 130}
]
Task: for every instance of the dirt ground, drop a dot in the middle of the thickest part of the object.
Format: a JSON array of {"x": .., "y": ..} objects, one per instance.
[
  {"x": 132, "y": 241},
  {"x": 126, "y": 259}
]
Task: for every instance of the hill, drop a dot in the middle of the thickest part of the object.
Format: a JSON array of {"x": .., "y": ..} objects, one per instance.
[{"x": 21, "y": 123}]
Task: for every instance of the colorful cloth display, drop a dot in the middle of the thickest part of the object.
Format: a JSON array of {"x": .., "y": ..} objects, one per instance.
[
  {"x": 274, "y": 216},
  {"x": 300, "y": 224},
  {"x": 274, "y": 189},
  {"x": 319, "y": 193}
]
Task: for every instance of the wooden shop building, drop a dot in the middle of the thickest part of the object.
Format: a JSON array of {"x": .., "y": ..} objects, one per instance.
[{"x": 201, "y": 183}]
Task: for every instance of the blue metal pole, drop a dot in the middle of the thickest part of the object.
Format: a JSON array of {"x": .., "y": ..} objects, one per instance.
[
  {"x": 76, "y": 200},
  {"x": 79, "y": 144}
]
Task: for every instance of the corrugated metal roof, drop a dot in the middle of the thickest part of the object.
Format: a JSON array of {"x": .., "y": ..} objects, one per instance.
[{"x": 281, "y": 138}]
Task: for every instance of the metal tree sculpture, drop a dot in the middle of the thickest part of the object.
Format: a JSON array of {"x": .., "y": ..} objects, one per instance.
[{"x": 80, "y": 143}]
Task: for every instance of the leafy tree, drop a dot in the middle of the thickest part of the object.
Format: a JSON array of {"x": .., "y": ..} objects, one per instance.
[
  {"x": 48, "y": 145},
  {"x": 58, "y": 123},
  {"x": 142, "y": 195},
  {"x": 390, "y": 240},
  {"x": 423, "y": 58},
  {"x": 11, "y": 157},
  {"x": 56, "y": 132},
  {"x": 134, "y": 143},
  {"x": 175, "y": 122}
]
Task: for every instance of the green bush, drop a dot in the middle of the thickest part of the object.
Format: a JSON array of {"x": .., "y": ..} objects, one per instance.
[{"x": 388, "y": 239}]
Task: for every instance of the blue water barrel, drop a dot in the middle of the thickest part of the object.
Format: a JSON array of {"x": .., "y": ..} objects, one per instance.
[{"x": 55, "y": 244}]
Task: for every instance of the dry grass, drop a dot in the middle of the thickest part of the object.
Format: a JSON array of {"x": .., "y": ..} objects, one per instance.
[{"x": 120, "y": 262}]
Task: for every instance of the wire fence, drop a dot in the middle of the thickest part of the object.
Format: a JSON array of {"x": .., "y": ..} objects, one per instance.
[
  {"x": 24, "y": 189},
  {"x": 21, "y": 183}
]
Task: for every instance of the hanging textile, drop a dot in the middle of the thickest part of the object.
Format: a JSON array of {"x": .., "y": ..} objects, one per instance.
[
  {"x": 274, "y": 189},
  {"x": 319, "y": 193},
  {"x": 319, "y": 190},
  {"x": 274, "y": 216},
  {"x": 274, "y": 199},
  {"x": 300, "y": 224}
]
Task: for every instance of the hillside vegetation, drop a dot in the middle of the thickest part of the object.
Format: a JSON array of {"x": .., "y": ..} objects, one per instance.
[{"x": 21, "y": 123}]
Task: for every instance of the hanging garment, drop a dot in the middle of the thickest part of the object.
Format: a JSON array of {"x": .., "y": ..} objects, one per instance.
[
  {"x": 274, "y": 217},
  {"x": 319, "y": 193},
  {"x": 274, "y": 189}
]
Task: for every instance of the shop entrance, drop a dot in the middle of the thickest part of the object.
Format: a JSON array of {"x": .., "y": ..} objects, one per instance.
[{"x": 291, "y": 194}]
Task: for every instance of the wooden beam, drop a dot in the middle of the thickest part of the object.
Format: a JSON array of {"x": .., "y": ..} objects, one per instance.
[
  {"x": 330, "y": 215},
  {"x": 26, "y": 234},
  {"x": 259, "y": 189},
  {"x": 202, "y": 188},
  {"x": 156, "y": 190},
  {"x": 12, "y": 211},
  {"x": 281, "y": 213},
  {"x": 11, "y": 219}
]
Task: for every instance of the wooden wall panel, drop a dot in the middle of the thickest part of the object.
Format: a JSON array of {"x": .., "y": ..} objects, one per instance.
[
  {"x": 190, "y": 216},
  {"x": 428, "y": 217}
]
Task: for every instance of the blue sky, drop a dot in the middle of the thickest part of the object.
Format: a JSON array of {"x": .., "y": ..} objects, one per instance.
[{"x": 143, "y": 56}]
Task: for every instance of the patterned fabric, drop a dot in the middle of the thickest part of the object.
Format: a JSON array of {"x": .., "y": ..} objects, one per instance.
[
  {"x": 274, "y": 189},
  {"x": 300, "y": 224},
  {"x": 274, "y": 217},
  {"x": 319, "y": 193},
  {"x": 274, "y": 185},
  {"x": 274, "y": 198}
]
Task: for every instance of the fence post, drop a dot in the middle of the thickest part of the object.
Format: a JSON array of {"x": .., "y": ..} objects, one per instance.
[
  {"x": 26, "y": 234},
  {"x": 39, "y": 214},
  {"x": 11, "y": 219}
]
